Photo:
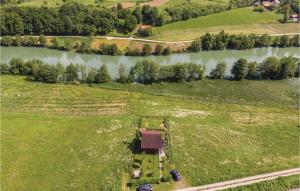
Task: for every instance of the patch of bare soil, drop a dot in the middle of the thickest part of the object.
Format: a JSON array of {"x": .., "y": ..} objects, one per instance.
[
  {"x": 243, "y": 118},
  {"x": 181, "y": 113}
]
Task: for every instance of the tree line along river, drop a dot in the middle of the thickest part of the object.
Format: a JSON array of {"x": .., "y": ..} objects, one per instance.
[{"x": 208, "y": 59}]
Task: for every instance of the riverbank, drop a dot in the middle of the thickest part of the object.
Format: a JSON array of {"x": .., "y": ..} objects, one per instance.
[{"x": 208, "y": 59}]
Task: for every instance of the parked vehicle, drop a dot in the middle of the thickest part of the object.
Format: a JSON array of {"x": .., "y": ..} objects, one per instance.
[
  {"x": 175, "y": 175},
  {"x": 145, "y": 187}
]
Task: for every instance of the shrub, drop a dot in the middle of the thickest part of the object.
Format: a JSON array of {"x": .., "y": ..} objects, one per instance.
[
  {"x": 166, "y": 177},
  {"x": 144, "y": 180},
  {"x": 145, "y": 32},
  {"x": 259, "y": 8}
]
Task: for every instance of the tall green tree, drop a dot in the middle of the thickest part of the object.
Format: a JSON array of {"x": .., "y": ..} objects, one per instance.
[
  {"x": 147, "y": 50},
  {"x": 270, "y": 68},
  {"x": 288, "y": 67},
  {"x": 219, "y": 71},
  {"x": 252, "y": 71},
  {"x": 239, "y": 69},
  {"x": 72, "y": 73},
  {"x": 103, "y": 75}
]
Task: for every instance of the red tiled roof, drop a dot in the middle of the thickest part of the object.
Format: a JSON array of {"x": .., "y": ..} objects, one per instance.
[{"x": 151, "y": 140}]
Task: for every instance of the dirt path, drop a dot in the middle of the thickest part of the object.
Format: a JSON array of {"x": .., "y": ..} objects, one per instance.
[
  {"x": 152, "y": 41},
  {"x": 243, "y": 181}
]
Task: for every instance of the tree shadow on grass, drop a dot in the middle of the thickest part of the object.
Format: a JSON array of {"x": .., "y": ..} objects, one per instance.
[{"x": 134, "y": 145}]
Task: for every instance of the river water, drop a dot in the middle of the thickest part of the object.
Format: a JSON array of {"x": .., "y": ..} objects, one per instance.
[{"x": 209, "y": 59}]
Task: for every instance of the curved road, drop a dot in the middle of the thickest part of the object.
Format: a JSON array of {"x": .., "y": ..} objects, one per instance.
[{"x": 243, "y": 181}]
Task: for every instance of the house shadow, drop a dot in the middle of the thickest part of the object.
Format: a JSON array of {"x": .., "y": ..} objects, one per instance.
[{"x": 134, "y": 145}]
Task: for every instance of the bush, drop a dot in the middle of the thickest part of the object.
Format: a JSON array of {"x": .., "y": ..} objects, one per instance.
[
  {"x": 145, "y": 32},
  {"x": 259, "y": 8},
  {"x": 144, "y": 180},
  {"x": 166, "y": 177}
]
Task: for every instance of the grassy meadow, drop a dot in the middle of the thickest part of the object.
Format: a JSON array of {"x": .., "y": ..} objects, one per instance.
[
  {"x": 279, "y": 184},
  {"x": 77, "y": 137},
  {"x": 243, "y": 20}
]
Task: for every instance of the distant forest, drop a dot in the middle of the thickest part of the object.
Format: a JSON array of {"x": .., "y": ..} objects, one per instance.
[{"x": 78, "y": 19}]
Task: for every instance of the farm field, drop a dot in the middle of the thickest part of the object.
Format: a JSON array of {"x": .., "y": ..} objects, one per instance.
[
  {"x": 243, "y": 20},
  {"x": 77, "y": 137}
]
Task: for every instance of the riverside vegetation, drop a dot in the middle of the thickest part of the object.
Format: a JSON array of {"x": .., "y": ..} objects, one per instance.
[
  {"x": 148, "y": 72},
  {"x": 207, "y": 42}
]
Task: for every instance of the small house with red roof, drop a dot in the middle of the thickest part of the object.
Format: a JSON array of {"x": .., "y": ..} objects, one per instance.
[{"x": 151, "y": 141}]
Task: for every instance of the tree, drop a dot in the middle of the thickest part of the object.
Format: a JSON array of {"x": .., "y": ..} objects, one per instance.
[
  {"x": 122, "y": 74},
  {"x": 6, "y": 41},
  {"x": 284, "y": 41},
  {"x": 207, "y": 41},
  {"x": 102, "y": 75},
  {"x": 146, "y": 71},
  {"x": 11, "y": 24},
  {"x": 288, "y": 67},
  {"x": 17, "y": 66},
  {"x": 145, "y": 32},
  {"x": 42, "y": 40},
  {"x": 129, "y": 24},
  {"x": 270, "y": 68},
  {"x": 147, "y": 49},
  {"x": 219, "y": 71},
  {"x": 138, "y": 14},
  {"x": 195, "y": 46},
  {"x": 4, "y": 68},
  {"x": 252, "y": 70},
  {"x": 166, "y": 51},
  {"x": 296, "y": 41},
  {"x": 239, "y": 69},
  {"x": 158, "y": 50},
  {"x": 17, "y": 41},
  {"x": 72, "y": 73},
  {"x": 91, "y": 78},
  {"x": 194, "y": 71},
  {"x": 180, "y": 73}
]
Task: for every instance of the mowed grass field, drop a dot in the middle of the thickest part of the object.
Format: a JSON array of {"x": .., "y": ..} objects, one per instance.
[
  {"x": 243, "y": 20},
  {"x": 77, "y": 137}
]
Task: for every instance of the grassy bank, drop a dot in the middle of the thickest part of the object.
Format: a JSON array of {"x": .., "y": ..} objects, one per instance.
[{"x": 64, "y": 137}]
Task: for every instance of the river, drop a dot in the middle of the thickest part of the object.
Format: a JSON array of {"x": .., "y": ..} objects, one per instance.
[{"x": 209, "y": 59}]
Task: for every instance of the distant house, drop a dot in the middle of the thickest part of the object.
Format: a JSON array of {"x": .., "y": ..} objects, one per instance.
[
  {"x": 269, "y": 4},
  {"x": 294, "y": 17},
  {"x": 151, "y": 141}
]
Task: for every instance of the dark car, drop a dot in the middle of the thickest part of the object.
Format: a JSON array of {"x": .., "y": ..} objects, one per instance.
[
  {"x": 145, "y": 187},
  {"x": 175, "y": 175}
]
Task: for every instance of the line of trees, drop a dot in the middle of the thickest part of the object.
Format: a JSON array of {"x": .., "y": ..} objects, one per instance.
[
  {"x": 207, "y": 42},
  {"x": 145, "y": 72},
  {"x": 271, "y": 68},
  {"x": 148, "y": 72},
  {"x": 223, "y": 41},
  {"x": 75, "y": 19},
  {"x": 83, "y": 46}
]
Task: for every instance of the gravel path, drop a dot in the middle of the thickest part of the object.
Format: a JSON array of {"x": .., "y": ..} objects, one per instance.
[{"x": 243, "y": 181}]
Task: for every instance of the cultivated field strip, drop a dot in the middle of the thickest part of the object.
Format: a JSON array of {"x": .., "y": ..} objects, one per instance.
[{"x": 61, "y": 99}]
